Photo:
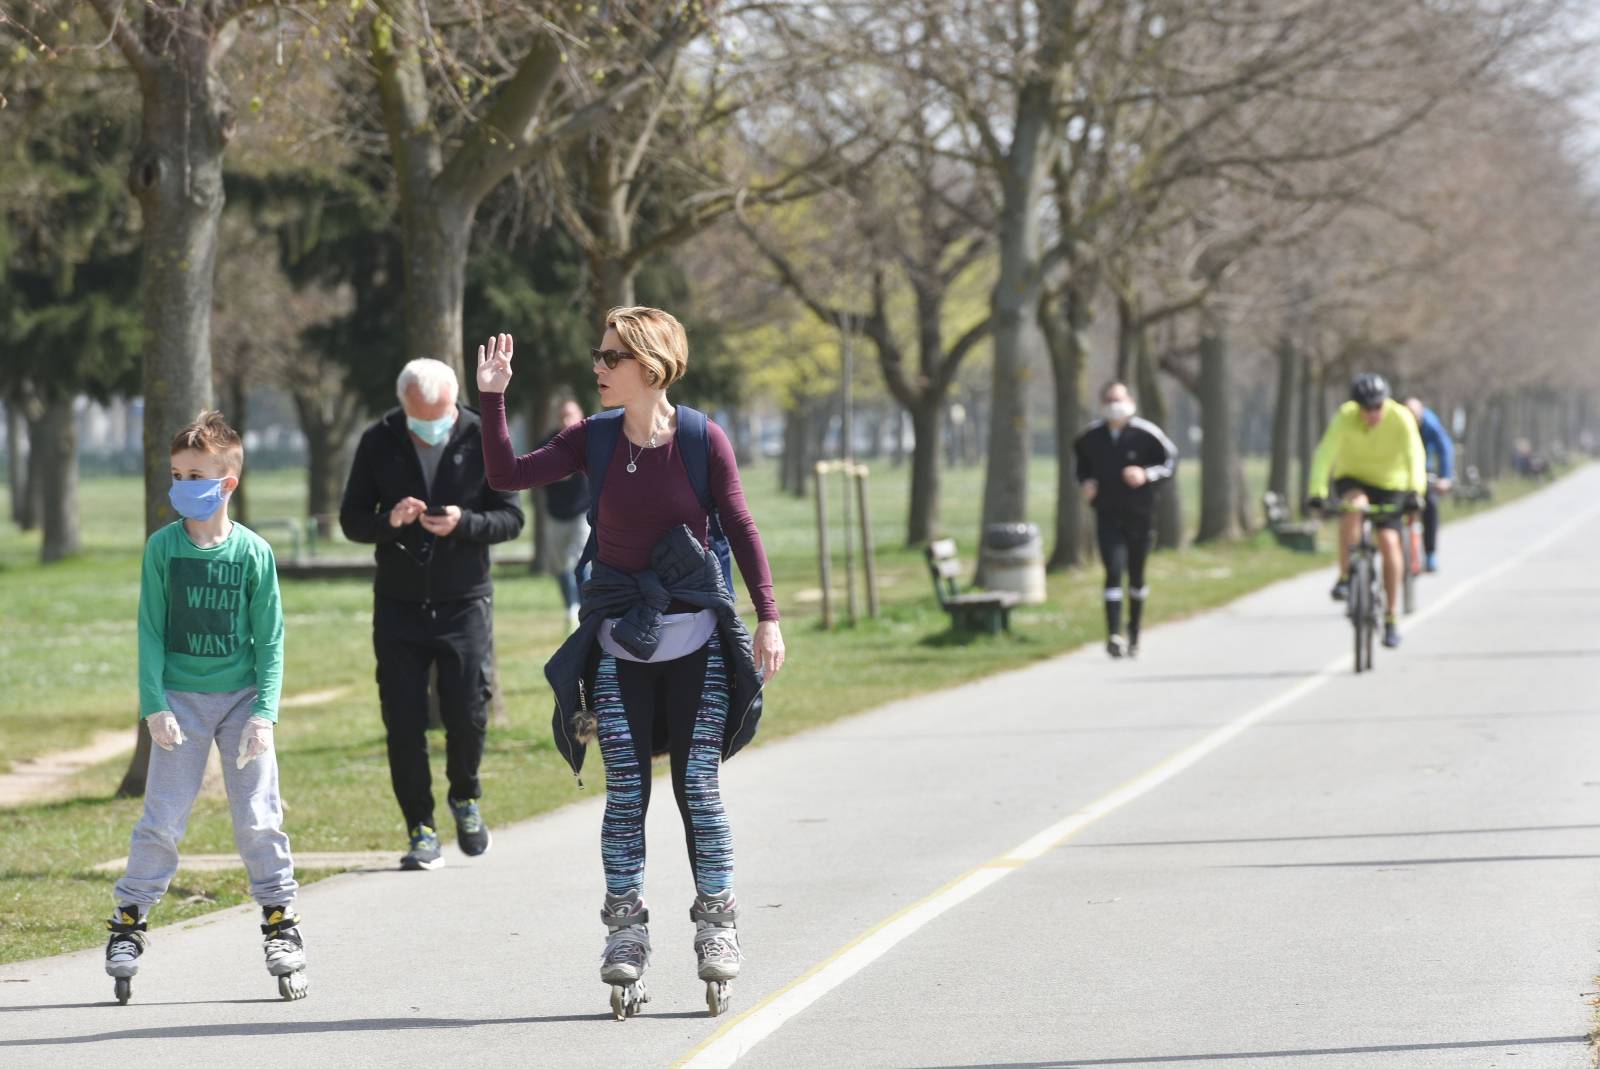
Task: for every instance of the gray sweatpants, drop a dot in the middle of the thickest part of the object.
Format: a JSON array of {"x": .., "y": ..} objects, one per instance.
[{"x": 169, "y": 794}]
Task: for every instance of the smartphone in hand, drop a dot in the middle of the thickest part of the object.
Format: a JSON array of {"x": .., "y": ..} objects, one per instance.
[{"x": 435, "y": 510}]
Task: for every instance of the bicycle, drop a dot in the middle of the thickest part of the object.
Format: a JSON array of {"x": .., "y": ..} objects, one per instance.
[{"x": 1365, "y": 603}]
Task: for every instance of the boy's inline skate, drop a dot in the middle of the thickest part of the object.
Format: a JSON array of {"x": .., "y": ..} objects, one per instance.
[
  {"x": 128, "y": 940},
  {"x": 285, "y": 950},
  {"x": 627, "y": 953},
  {"x": 716, "y": 946}
]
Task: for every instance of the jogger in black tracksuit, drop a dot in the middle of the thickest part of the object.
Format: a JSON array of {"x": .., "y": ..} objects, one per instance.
[
  {"x": 417, "y": 489},
  {"x": 1121, "y": 462}
]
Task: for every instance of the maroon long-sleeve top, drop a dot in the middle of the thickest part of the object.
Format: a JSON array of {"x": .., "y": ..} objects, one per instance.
[{"x": 638, "y": 509}]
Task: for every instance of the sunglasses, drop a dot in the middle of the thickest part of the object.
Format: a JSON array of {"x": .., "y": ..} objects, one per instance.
[{"x": 611, "y": 357}]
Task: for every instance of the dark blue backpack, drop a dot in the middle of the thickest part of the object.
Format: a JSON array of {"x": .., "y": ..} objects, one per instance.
[{"x": 694, "y": 443}]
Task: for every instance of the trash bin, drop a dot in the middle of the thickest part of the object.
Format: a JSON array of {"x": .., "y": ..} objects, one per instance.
[{"x": 1012, "y": 559}]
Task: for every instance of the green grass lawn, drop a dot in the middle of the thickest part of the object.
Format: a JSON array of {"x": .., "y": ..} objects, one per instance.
[{"x": 67, "y": 651}]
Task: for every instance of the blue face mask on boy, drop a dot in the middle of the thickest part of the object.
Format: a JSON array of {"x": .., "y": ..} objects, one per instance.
[
  {"x": 196, "y": 499},
  {"x": 432, "y": 431}
]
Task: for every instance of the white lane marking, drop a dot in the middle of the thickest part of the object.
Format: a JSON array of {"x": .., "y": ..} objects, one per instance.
[{"x": 736, "y": 1038}]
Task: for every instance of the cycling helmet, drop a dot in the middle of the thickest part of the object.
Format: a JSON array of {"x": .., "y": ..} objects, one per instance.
[{"x": 1369, "y": 390}]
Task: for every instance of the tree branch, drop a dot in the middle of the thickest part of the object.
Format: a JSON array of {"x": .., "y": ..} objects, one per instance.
[{"x": 125, "y": 37}]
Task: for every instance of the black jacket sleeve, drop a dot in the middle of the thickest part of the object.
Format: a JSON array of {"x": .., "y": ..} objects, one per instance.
[
  {"x": 360, "y": 517},
  {"x": 494, "y": 517},
  {"x": 1163, "y": 455}
]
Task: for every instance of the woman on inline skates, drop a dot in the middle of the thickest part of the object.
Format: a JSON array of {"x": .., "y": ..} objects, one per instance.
[{"x": 660, "y": 661}]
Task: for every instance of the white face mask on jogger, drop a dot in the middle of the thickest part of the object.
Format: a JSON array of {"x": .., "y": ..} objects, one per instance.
[{"x": 1118, "y": 411}]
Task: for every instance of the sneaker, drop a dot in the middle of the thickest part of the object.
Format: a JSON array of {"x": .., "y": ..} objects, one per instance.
[
  {"x": 1116, "y": 646},
  {"x": 1391, "y": 635},
  {"x": 1341, "y": 590},
  {"x": 716, "y": 936},
  {"x": 1133, "y": 650},
  {"x": 424, "y": 852},
  {"x": 1430, "y": 563},
  {"x": 472, "y": 834}
]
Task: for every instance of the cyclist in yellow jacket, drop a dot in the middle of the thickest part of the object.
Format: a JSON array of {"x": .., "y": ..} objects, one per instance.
[{"x": 1374, "y": 452}]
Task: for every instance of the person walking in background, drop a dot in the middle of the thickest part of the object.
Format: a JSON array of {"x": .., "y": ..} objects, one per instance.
[
  {"x": 417, "y": 489},
  {"x": 210, "y": 669},
  {"x": 661, "y": 660},
  {"x": 1441, "y": 459},
  {"x": 566, "y": 506},
  {"x": 1122, "y": 461}
]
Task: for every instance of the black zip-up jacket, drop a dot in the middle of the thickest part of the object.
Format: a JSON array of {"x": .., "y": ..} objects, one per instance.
[
  {"x": 681, "y": 570},
  {"x": 1101, "y": 458},
  {"x": 414, "y": 565}
]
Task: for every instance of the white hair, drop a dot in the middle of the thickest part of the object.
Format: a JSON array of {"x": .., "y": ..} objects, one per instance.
[{"x": 430, "y": 378}]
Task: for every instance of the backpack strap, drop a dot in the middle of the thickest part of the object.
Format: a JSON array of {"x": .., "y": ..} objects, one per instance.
[
  {"x": 601, "y": 436},
  {"x": 694, "y": 441}
]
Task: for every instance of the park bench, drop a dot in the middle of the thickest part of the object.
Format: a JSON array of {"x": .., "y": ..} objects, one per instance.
[
  {"x": 1298, "y": 536},
  {"x": 988, "y": 611}
]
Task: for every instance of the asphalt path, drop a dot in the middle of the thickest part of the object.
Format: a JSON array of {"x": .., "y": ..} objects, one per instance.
[{"x": 1232, "y": 852}]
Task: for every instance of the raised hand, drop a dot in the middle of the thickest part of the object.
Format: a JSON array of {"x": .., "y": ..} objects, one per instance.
[{"x": 494, "y": 364}]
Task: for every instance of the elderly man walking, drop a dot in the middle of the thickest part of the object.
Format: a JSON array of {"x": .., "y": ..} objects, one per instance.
[{"x": 417, "y": 490}]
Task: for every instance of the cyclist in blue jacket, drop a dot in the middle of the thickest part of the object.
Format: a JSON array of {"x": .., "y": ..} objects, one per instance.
[{"x": 1441, "y": 476}]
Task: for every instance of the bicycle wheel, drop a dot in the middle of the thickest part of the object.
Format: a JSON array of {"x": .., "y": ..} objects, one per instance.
[
  {"x": 1409, "y": 562},
  {"x": 1361, "y": 609}
]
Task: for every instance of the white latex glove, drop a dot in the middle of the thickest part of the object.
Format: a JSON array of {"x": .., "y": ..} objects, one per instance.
[
  {"x": 164, "y": 730},
  {"x": 255, "y": 740}
]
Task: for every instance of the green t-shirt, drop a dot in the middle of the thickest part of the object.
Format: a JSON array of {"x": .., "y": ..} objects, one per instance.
[{"x": 210, "y": 620}]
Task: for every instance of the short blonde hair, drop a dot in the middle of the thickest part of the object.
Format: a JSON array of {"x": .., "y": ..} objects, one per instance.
[
  {"x": 657, "y": 341},
  {"x": 210, "y": 433}
]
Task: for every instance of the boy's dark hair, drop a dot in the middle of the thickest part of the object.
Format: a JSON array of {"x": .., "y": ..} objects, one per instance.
[
  {"x": 1113, "y": 384},
  {"x": 210, "y": 433}
]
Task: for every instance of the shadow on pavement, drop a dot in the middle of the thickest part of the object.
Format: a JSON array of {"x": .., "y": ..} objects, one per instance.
[
  {"x": 1331, "y": 838},
  {"x": 1225, "y": 677},
  {"x": 1409, "y": 861},
  {"x": 1505, "y": 655},
  {"x": 112, "y": 1002},
  {"x": 1166, "y": 1059},
  {"x": 286, "y": 1028}
]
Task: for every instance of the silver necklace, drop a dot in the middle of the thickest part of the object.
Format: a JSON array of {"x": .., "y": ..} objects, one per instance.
[{"x": 633, "y": 458}]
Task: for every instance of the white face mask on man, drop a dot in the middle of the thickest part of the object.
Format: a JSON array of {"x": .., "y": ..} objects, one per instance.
[{"x": 1117, "y": 411}]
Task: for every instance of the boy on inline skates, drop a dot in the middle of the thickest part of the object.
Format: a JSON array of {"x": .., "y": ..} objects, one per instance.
[{"x": 210, "y": 668}]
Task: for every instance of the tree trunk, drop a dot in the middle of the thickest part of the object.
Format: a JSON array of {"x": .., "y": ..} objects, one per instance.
[
  {"x": 176, "y": 176},
  {"x": 609, "y": 285},
  {"x": 16, "y": 464},
  {"x": 1501, "y": 442},
  {"x": 238, "y": 418},
  {"x": 1242, "y": 495},
  {"x": 1218, "y": 449},
  {"x": 1153, "y": 403},
  {"x": 1283, "y": 418},
  {"x": 1067, "y": 339},
  {"x": 34, "y": 481},
  {"x": 1128, "y": 340},
  {"x": 436, "y": 232},
  {"x": 744, "y": 453},
  {"x": 57, "y": 448},
  {"x": 791, "y": 471},
  {"x": 1305, "y": 437},
  {"x": 927, "y": 420},
  {"x": 327, "y": 423},
  {"x": 1014, "y": 307}
]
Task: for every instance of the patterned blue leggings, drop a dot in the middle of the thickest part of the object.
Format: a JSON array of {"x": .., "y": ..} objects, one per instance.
[{"x": 684, "y": 704}]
